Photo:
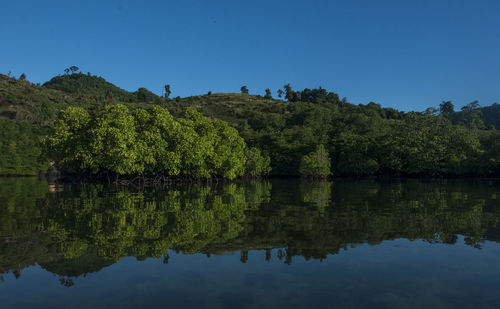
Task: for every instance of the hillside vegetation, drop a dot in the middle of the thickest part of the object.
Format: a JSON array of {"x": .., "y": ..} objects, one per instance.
[
  {"x": 356, "y": 140},
  {"x": 362, "y": 140},
  {"x": 97, "y": 87},
  {"x": 114, "y": 141},
  {"x": 24, "y": 101}
]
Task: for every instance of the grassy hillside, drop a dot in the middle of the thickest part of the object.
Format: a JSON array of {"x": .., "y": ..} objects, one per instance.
[
  {"x": 24, "y": 101},
  {"x": 97, "y": 87}
]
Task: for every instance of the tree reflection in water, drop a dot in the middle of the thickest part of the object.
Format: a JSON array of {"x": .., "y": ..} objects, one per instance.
[{"x": 87, "y": 227}]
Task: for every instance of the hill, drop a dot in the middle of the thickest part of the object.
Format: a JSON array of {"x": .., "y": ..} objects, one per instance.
[
  {"x": 39, "y": 105},
  {"x": 24, "y": 101},
  {"x": 97, "y": 87},
  {"x": 289, "y": 130},
  {"x": 360, "y": 139}
]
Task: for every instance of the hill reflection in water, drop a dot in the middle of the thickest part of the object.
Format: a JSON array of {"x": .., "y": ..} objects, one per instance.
[
  {"x": 87, "y": 227},
  {"x": 283, "y": 242}
]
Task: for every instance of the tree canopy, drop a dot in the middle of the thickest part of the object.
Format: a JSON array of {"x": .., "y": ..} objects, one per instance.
[
  {"x": 112, "y": 139},
  {"x": 316, "y": 164}
]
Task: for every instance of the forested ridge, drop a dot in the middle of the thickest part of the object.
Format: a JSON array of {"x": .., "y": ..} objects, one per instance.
[{"x": 311, "y": 132}]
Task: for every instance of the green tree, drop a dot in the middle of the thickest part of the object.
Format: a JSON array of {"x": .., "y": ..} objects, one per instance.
[
  {"x": 229, "y": 159},
  {"x": 431, "y": 145},
  {"x": 113, "y": 142},
  {"x": 355, "y": 154},
  {"x": 316, "y": 164},
  {"x": 289, "y": 94},
  {"x": 211, "y": 147},
  {"x": 167, "y": 91},
  {"x": 196, "y": 144},
  {"x": 144, "y": 95},
  {"x": 158, "y": 142},
  {"x": 446, "y": 109},
  {"x": 103, "y": 142},
  {"x": 20, "y": 149},
  {"x": 256, "y": 163},
  {"x": 471, "y": 116},
  {"x": 244, "y": 89},
  {"x": 22, "y": 77},
  {"x": 69, "y": 143},
  {"x": 268, "y": 94}
]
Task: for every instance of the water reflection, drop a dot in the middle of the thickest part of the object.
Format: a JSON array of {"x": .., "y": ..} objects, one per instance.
[{"x": 75, "y": 230}]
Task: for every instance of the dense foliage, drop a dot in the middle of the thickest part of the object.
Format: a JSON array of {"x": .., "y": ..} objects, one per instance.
[
  {"x": 316, "y": 164},
  {"x": 490, "y": 115},
  {"x": 114, "y": 140},
  {"x": 94, "y": 86},
  {"x": 257, "y": 164},
  {"x": 20, "y": 152},
  {"x": 360, "y": 139}
]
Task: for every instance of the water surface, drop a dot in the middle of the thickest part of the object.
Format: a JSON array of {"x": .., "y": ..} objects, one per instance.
[{"x": 265, "y": 244}]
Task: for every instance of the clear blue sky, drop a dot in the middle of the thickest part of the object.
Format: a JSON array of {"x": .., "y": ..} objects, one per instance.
[{"x": 404, "y": 54}]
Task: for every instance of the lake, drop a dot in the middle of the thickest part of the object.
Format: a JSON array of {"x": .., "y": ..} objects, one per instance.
[{"x": 279, "y": 243}]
